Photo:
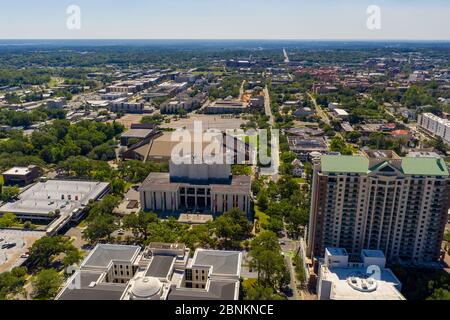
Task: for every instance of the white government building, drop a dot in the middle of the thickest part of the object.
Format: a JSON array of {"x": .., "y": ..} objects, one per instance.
[{"x": 209, "y": 188}]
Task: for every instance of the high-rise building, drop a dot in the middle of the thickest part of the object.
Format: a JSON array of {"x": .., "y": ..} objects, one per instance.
[{"x": 379, "y": 201}]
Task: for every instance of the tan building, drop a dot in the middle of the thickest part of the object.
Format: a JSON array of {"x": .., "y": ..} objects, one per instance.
[
  {"x": 196, "y": 188},
  {"x": 380, "y": 201}
]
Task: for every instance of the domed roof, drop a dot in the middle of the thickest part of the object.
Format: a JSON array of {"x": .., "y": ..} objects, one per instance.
[{"x": 146, "y": 287}]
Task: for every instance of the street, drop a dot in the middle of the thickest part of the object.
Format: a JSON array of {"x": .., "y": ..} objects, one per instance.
[
  {"x": 273, "y": 171},
  {"x": 319, "y": 110}
]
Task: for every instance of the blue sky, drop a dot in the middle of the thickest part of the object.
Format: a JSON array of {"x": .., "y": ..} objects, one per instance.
[{"x": 225, "y": 19}]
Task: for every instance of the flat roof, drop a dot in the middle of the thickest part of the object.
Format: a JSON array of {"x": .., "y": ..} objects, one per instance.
[
  {"x": 373, "y": 253},
  {"x": 161, "y": 181},
  {"x": 344, "y": 164},
  {"x": 218, "y": 290},
  {"x": 195, "y": 218},
  {"x": 101, "y": 291},
  {"x": 137, "y": 133},
  {"x": 342, "y": 290},
  {"x": 337, "y": 251},
  {"x": 160, "y": 266},
  {"x": 44, "y": 197},
  {"x": 424, "y": 166},
  {"x": 20, "y": 171},
  {"x": 102, "y": 255},
  {"x": 222, "y": 262},
  {"x": 341, "y": 112}
]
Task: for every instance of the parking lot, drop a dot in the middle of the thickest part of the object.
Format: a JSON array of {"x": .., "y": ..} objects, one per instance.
[{"x": 23, "y": 240}]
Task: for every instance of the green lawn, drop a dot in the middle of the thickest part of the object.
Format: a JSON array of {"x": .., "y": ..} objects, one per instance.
[
  {"x": 262, "y": 218},
  {"x": 1, "y": 179},
  {"x": 300, "y": 180},
  {"x": 248, "y": 283}
]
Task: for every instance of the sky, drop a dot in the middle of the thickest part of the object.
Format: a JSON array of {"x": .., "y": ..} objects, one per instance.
[{"x": 226, "y": 19}]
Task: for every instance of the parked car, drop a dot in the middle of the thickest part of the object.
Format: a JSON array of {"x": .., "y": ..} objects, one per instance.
[
  {"x": 8, "y": 245},
  {"x": 25, "y": 255}
]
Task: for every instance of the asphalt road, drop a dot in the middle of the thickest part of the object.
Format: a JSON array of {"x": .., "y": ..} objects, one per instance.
[
  {"x": 273, "y": 171},
  {"x": 319, "y": 110}
]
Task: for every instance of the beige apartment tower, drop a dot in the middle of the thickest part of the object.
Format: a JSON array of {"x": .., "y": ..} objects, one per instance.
[{"x": 379, "y": 201}]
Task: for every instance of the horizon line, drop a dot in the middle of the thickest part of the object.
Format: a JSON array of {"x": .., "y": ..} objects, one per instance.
[{"x": 226, "y": 39}]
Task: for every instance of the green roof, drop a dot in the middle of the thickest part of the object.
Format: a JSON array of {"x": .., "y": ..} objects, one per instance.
[
  {"x": 359, "y": 164},
  {"x": 343, "y": 164},
  {"x": 424, "y": 166}
]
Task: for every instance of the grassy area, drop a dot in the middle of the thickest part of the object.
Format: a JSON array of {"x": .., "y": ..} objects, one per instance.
[
  {"x": 241, "y": 170},
  {"x": 248, "y": 283},
  {"x": 1, "y": 179},
  {"x": 299, "y": 180},
  {"x": 83, "y": 224},
  {"x": 262, "y": 218},
  {"x": 128, "y": 186},
  {"x": 55, "y": 81}
]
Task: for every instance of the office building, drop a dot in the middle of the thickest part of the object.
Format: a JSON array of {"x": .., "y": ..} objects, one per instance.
[
  {"x": 226, "y": 107},
  {"x": 208, "y": 188},
  {"x": 380, "y": 201},
  {"x": 21, "y": 176},
  {"x": 56, "y": 202}
]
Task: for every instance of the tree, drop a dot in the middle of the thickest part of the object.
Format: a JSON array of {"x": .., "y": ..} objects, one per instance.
[
  {"x": 287, "y": 186},
  {"x": 232, "y": 226},
  {"x": 182, "y": 112},
  {"x": 9, "y": 193},
  {"x": 353, "y": 136},
  {"x": 104, "y": 207},
  {"x": 46, "y": 284},
  {"x": 139, "y": 223},
  {"x": 299, "y": 270},
  {"x": 263, "y": 200},
  {"x": 339, "y": 145},
  {"x": 275, "y": 224},
  {"x": 267, "y": 260},
  {"x": 72, "y": 257},
  {"x": 118, "y": 186},
  {"x": 167, "y": 231},
  {"x": 260, "y": 293},
  {"x": 46, "y": 249},
  {"x": 11, "y": 283},
  {"x": 100, "y": 227},
  {"x": 199, "y": 237},
  {"x": 440, "y": 294},
  {"x": 447, "y": 236},
  {"x": 8, "y": 220},
  {"x": 135, "y": 171}
]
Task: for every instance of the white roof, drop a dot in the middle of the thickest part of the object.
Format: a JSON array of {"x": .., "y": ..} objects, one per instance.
[
  {"x": 385, "y": 288},
  {"x": 18, "y": 171},
  {"x": 341, "y": 112}
]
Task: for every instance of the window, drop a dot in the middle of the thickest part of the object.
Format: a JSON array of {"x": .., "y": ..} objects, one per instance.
[{"x": 188, "y": 275}]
